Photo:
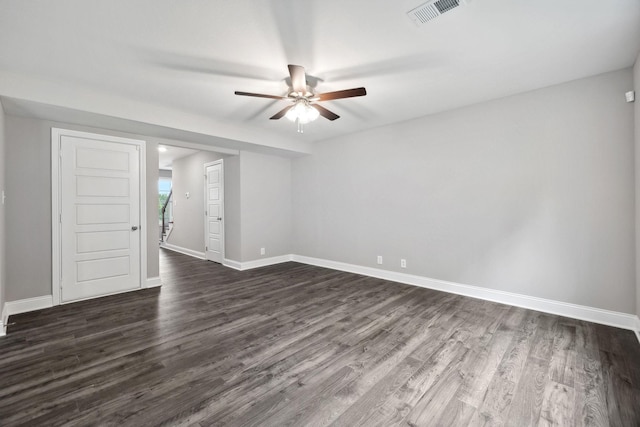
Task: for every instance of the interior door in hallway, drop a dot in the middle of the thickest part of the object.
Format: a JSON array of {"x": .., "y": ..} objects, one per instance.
[
  {"x": 214, "y": 202},
  {"x": 99, "y": 217}
]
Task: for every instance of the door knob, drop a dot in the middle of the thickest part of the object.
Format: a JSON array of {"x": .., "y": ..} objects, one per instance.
[
  {"x": 219, "y": 218},
  {"x": 134, "y": 228}
]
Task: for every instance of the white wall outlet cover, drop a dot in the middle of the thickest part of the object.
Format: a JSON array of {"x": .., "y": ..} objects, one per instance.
[
  {"x": 379, "y": 259},
  {"x": 262, "y": 251},
  {"x": 186, "y": 194},
  {"x": 630, "y": 96}
]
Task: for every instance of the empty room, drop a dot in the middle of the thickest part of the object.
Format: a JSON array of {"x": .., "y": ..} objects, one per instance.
[{"x": 313, "y": 213}]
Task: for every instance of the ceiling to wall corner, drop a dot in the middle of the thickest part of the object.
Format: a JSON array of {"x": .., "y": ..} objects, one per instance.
[{"x": 171, "y": 68}]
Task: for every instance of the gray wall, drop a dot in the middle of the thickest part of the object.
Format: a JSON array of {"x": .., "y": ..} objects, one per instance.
[
  {"x": 636, "y": 86},
  {"x": 232, "y": 210},
  {"x": 188, "y": 213},
  {"x": 265, "y": 205},
  {"x": 532, "y": 194},
  {"x": 153, "y": 254},
  {"x": 2, "y": 210},
  {"x": 28, "y": 209},
  {"x": 257, "y": 204},
  {"x": 260, "y": 218}
]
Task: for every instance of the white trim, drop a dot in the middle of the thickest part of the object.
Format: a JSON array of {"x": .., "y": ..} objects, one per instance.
[
  {"x": 199, "y": 147},
  {"x": 236, "y": 265},
  {"x": 581, "y": 312},
  {"x": 169, "y": 231},
  {"x": 153, "y": 282},
  {"x": 4, "y": 316},
  {"x": 590, "y": 314},
  {"x": 27, "y": 305},
  {"x": 185, "y": 251},
  {"x": 101, "y": 296},
  {"x": 248, "y": 265},
  {"x": 56, "y": 244},
  {"x": 56, "y": 176},
  {"x": 142, "y": 210},
  {"x": 205, "y": 204}
]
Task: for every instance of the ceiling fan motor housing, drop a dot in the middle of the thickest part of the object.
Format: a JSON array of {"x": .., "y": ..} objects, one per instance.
[{"x": 304, "y": 108}]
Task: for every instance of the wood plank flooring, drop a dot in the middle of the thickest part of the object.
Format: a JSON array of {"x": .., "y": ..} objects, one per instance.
[{"x": 296, "y": 345}]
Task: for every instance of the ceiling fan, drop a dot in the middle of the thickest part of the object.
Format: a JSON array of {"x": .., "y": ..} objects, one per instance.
[{"x": 304, "y": 107}]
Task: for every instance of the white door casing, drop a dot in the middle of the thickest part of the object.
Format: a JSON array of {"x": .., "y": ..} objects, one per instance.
[
  {"x": 99, "y": 229},
  {"x": 214, "y": 211}
]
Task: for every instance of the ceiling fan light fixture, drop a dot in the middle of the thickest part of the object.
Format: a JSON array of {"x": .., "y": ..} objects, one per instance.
[
  {"x": 305, "y": 108},
  {"x": 313, "y": 113},
  {"x": 302, "y": 112}
]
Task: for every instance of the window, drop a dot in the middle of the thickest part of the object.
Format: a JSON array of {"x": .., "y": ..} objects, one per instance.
[{"x": 164, "y": 188}]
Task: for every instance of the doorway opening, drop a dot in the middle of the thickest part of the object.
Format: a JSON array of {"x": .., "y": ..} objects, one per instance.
[{"x": 190, "y": 200}]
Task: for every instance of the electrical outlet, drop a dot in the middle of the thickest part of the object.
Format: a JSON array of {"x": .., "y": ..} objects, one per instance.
[
  {"x": 262, "y": 251},
  {"x": 403, "y": 263},
  {"x": 379, "y": 259}
]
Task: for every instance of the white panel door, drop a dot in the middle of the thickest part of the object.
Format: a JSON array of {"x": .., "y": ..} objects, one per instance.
[
  {"x": 100, "y": 217},
  {"x": 214, "y": 229}
]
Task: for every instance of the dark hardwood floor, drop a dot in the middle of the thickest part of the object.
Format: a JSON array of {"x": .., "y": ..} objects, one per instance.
[{"x": 296, "y": 345}]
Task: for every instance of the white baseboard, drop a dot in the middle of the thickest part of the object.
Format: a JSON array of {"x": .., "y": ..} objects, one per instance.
[
  {"x": 29, "y": 304},
  {"x": 236, "y": 265},
  {"x": 4, "y": 320},
  {"x": 182, "y": 250},
  {"x": 263, "y": 262},
  {"x": 590, "y": 314},
  {"x": 581, "y": 312},
  {"x": 153, "y": 282}
]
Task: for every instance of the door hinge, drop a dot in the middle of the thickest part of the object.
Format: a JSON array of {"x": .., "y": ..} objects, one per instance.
[
  {"x": 60, "y": 218},
  {"x": 206, "y": 248}
]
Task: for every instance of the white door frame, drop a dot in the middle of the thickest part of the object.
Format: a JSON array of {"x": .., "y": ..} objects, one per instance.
[
  {"x": 56, "y": 182},
  {"x": 206, "y": 198}
]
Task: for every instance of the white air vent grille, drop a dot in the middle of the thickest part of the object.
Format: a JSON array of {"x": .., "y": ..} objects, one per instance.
[
  {"x": 445, "y": 5},
  {"x": 430, "y": 10}
]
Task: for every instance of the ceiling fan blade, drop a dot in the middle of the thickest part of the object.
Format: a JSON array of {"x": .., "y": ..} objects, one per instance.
[
  {"x": 298, "y": 79},
  {"x": 260, "y": 95},
  {"x": 325, "y": 113},
  {"x": 339, "y": 94},
  {"x": 280, "y": 114}
]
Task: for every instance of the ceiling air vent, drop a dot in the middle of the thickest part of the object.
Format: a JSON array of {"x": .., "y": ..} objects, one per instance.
[{"x": 432, "y": 9}]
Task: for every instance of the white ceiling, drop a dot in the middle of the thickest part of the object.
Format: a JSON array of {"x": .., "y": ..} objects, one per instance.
[
  {"x": 171, "y": 154},
  {"x": 176, "y": 64}
]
